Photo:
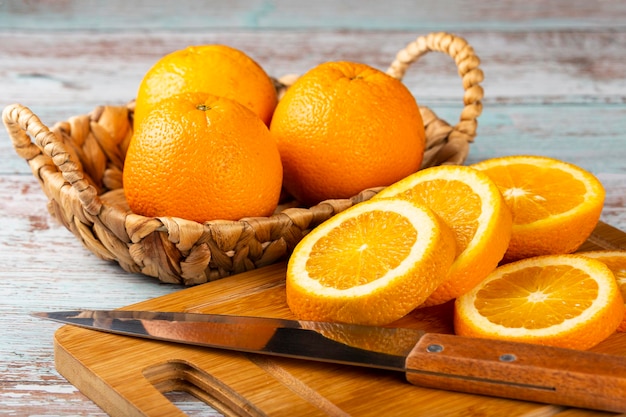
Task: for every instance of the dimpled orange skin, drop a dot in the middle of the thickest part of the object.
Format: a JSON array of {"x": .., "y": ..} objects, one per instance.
[
  {"x": 217, "y": 69},
  {"x": 201, "y": 157},
  {"x": 343, "y": 127}
]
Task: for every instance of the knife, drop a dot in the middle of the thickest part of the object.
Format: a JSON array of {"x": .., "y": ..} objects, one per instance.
[{"x": 478, "y": 366}]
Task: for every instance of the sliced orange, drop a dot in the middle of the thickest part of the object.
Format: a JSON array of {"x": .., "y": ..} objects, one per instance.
[
  {"x": 616, "y": 261},
  {"x": 555, "y": 205},
  {"x": 471, "y": 205},
  {"x": 370, "y": 264},
  {"x": 569, "y": 301}
]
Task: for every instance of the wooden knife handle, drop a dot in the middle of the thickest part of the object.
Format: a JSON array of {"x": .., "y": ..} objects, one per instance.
[{"x": 519, "y": 371}]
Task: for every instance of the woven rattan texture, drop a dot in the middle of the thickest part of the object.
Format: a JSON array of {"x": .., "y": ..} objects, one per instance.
[{"x": 79, "y": 165}]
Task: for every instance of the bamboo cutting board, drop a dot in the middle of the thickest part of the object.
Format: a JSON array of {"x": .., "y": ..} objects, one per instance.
[{"x": 127, "y": 376}]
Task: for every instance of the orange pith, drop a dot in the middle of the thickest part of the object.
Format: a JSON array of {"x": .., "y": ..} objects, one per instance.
[
  {"x": 370, "y": 264},
  {"x": 343, "y": 127},
  {"x": 561, "y": 300},
  {"x": 471, "y": 205},
  {"x": 555, "y": 205},
  {"x": 616, "y": 261}
]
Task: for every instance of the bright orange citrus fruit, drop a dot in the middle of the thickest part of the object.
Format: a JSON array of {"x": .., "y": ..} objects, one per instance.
[
  {"x": 616, "y": 261},
  {"x": 555, "y": 205},
  {"x": 202, "y": 157},
  {"x": 216, "y": 69},
  {"x": 370, "y": 264},
  {"x": 343, "y": 127},
  {"x": 569, "y": 301},
  {"x": 471, "y": 205}
]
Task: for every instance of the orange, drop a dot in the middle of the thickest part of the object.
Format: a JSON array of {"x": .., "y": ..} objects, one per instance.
[
  {"x": 202, "y": 157},
  {"x": 217, "y": 69},
  {"x": 568, "y": 301},
  {"x": 471, "y": 205},
  {"x": 343, "y": 127},
  {"x": 616, "y": 261},
  {"x": 370, "y": 264},
  {"x": 555, "y": 205}
]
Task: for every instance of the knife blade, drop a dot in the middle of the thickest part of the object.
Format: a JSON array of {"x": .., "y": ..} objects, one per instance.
[{"x": 478, "y": 366}]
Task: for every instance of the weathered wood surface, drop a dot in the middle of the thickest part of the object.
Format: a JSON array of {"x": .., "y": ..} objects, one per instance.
[
  {"x": 254, "y": 385},
  {"x": 555, "y": 84}
]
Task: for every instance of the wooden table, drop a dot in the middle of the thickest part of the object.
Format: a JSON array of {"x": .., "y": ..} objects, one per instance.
[{"x": 555, "y": 85}]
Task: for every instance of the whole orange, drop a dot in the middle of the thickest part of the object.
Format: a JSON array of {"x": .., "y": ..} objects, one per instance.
[
  {"x": 202, "y": 157},
  {"x": 343, "y": 127},
  {"x": 217, "y": 69}
]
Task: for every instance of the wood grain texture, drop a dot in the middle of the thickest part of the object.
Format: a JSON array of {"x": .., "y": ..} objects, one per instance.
[
  {"x": 127, "y": 375},
  {"x": 536, "y": 373},
  {"x": 555, "y": 84},
  {"x": 321, "y": 14},
  {"x": 576, "y": 78}
]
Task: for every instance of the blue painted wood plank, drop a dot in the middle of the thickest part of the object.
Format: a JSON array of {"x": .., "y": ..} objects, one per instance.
[
  {"x": 555, "y": 85},
  {"x": 421, "y": 15}
]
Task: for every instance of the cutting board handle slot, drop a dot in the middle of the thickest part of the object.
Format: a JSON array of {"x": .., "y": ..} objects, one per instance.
[{"x": 182, "y": 376}]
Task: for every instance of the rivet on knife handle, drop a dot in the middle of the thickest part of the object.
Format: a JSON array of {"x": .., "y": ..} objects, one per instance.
[{"x": 521, "y": 371}]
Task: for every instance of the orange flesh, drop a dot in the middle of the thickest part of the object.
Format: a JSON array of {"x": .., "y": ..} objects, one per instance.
[
  {"x": 361, "y": 250},
  {"x": 535, "y": 193},
  {"x": 453, "y": 201},
  {"x": 540, "y": 301}
]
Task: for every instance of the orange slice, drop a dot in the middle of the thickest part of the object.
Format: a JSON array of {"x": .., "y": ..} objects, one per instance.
[
  {"x": 555, "y": 205},
  {"x": 471, "y": 205},
  {"x": 616, "y": 261},
  {"x": 370, "y": 264},
  {"x": 569, "y": 301}
]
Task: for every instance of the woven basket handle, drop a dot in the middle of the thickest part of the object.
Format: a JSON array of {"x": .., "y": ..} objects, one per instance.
[
  {"x": 48, "y": 150},
  {"x": 459, "y": 136}
]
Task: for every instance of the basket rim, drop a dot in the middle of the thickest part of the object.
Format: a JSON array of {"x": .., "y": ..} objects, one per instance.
[{"x": 110, "y": 231}]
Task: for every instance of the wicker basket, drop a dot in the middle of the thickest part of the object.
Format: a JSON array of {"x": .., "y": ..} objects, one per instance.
[{"x": 79, "y": 165}]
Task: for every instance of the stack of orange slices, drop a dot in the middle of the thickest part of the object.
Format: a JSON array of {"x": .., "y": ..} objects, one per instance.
[
  {"x": 370, "y": 264},
  {"x": 515, "y": 222},
  {"x": 471, "y": 205}
]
